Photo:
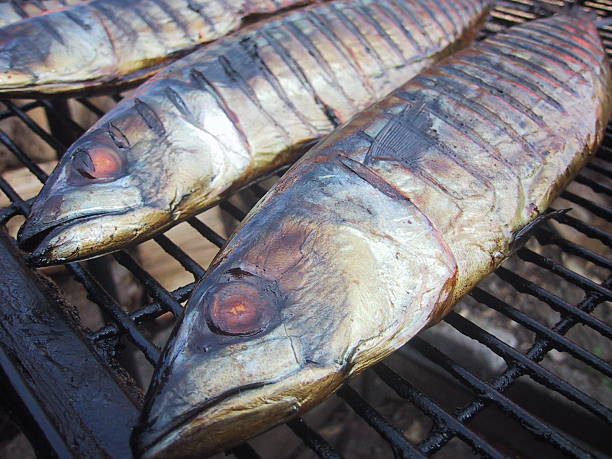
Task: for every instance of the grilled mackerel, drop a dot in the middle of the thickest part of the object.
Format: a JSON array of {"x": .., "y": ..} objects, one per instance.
[
  {"x": 377, "y": 232},
  {"x": 232, "y": 111},
  {"x": 16, "y": 10},
  {"x": 112, "y": 42}
]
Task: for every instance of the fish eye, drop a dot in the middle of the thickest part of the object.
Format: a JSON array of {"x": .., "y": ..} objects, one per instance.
[
  {"x": 98, "y": 162},
  {"x": 240, "y": 309}
]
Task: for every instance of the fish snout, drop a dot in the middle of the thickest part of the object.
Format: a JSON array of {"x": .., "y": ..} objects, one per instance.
[
  {"x": 68, "y": 222},
  {"x": 43, "y": 218},
  {"x": 43, "y": 238}
]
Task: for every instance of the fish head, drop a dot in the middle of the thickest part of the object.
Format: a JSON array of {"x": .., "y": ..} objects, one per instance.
[
  {"x": 256, "y": 345},
  {"x": 117, "y": 184},
  {"x": 285, "y": 315}
]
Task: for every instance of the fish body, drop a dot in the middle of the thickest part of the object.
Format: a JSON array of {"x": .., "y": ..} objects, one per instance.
[
  {"x": 108, "y": 43},
  {"x": 17, "y": 10},
  {"x": 228, "y": 113},
  {"x": 377, "y": 232}
]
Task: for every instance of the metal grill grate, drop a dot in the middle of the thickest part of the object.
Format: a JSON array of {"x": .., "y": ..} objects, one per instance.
[{"x": 541, "y": 278}]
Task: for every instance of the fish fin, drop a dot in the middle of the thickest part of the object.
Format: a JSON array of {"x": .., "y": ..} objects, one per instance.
[
  {"x": 523, "y": 234},
  {"x": 403, "y": 138}
]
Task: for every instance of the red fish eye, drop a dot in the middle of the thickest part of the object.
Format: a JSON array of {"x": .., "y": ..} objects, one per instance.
[
  {"x": 99, "y": 163},
  {"x": 239, "y": 308}
]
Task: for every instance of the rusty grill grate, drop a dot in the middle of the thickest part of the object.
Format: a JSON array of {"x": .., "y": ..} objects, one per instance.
[{"x": 513, "y": 295}]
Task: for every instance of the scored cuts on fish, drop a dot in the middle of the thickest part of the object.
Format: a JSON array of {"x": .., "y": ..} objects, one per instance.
[
  {"x": 16, "y": 10},
  {"x": 232, "y": 111},
  {"x": 377, "y": 232},
  {"x": 109, "y": 43}
]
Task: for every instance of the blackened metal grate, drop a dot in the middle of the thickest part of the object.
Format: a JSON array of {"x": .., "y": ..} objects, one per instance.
[{"x": 449, "y": 425}]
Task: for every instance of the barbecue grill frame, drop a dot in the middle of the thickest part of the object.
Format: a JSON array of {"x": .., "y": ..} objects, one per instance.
[{"x": 23, "y": 291}]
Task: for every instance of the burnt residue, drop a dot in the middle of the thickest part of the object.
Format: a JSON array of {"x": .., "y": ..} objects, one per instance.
[{"x": 51, "y": 368}]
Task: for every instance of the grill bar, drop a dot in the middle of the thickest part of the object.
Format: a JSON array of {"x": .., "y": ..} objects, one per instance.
[
  {"x": 42, "y": 352},
  {"x": 147, "y": 313},
  {"x": 179, "y": 254},
  {"x": 153, "y": 287},
  {"x": 91, "y": 107},
  {"x": 536, "y": 353},
  {"x": 595, "y": 186},
  {"x": 232, "y": 210},
  {"x": 121, "y": 318},
  {"x": 546, "y": 236},
  {"x": 60, "y": 112},
  {"x": 602, "y": 170},
  {"x": 524, "y": 286},
  {"x": 560, "y": 342},
  {"x": 23, "y": 158},
  {"x": 401, "y": 447},
  {"x": 39, "y": 131},
  {"x": 312, "y": 439},
  {"x": 567, "y": 274},
  {"x": 10, "y": 192},
  {"x": 94, "y": 289},
  {"x": 604, "y": 154},
  {"x": 206, "y": 232},
  {"x": 442, "y": 419},
  {"x": 587, "y": 230},
  {"x": 527, "y": 366},
  {"x": 597, "y": 209},
  {"x": 489, "y": 393}
]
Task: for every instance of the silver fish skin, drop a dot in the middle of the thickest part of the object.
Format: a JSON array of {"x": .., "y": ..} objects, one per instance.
[
  {"x": 377, "y": 232},
  {"x": 17, "y": 10},
  {"x": 232, "y": 111},
  {"x": 110, "y": 43}
]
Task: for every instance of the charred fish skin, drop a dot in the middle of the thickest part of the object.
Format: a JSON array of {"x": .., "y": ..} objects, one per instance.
[
  {"x": 17, "y": 10},
  {"x": 232, "y": 111},
  {"x": 377, "y": 231},
  {"x": 108, "y": 43}
]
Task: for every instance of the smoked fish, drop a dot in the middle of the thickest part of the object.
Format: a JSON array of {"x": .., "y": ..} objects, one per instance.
[
  {"x": 16, "y": 10},
  {"x": 377, "y": 232},
  {"x": 232, "y": 111},
  {"x": 109, "y": 43}
]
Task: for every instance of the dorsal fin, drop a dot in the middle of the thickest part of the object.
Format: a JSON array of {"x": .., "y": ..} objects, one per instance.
[{"x": 403, "y": 138}]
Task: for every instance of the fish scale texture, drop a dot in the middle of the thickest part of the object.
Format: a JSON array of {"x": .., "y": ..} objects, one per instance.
[{"x": 16, "y": 10}]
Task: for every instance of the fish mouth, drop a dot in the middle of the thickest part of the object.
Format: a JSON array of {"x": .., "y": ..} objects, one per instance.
[
  {"x": 147, "y": 444},
  {"x": 232, "y": 417},
  {"x": 34, "y": 237}
]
